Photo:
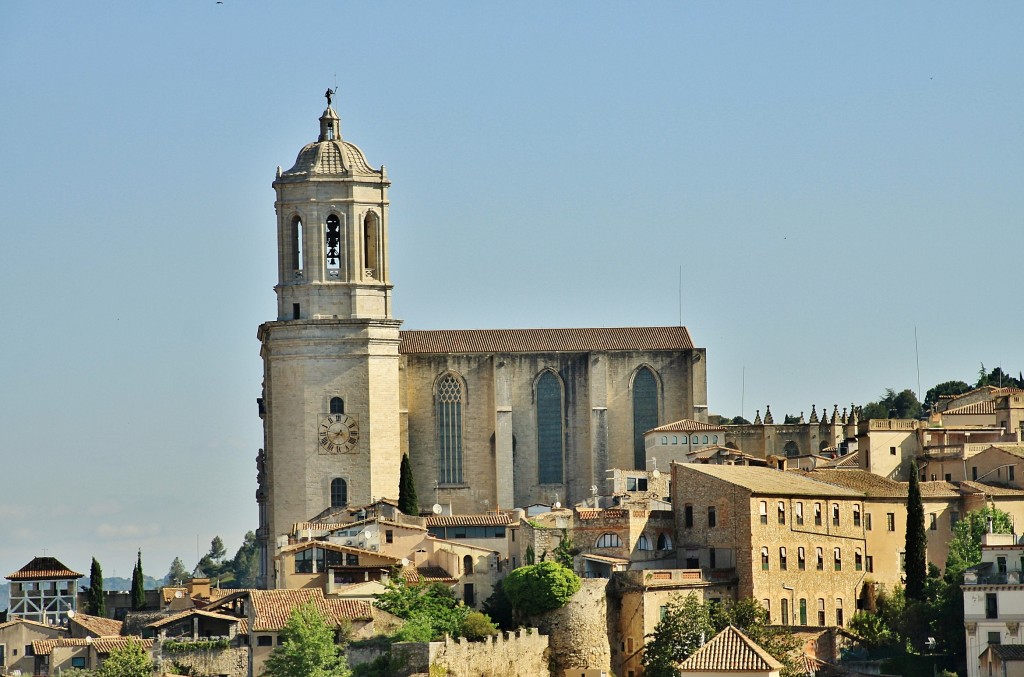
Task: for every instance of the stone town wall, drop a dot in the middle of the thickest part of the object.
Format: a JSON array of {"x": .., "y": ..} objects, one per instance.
[
  {"x": 523, "y": 653},
  {"x": 580, "y": 634},
  {"x": 233, "y": 661}
]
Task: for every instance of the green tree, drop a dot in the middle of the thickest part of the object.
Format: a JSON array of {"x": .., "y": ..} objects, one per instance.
[
  {"x": 434, "y": 604},
  {"x": 96, "y": 600},
  {"x": 246, "y": 564},
  {"x": 499, "y": 607},
  {"x": 407, "y": 501},
  {"x": 684, "y": 627},
  {"x": 540, "y": 587},
  {"x": 138, "y": 585},
  {"x": 477, "y": 627},
  {"x": 965, "y": 546},
  {"x": 308, "y": 648},
  {"x": 565, "y": 550},
  {"x": 945, "y": 388},
  {"x": 738, "y": 420},
  {"x": 903, "y": 404},
  {"x": 129, "y": 661},
  {"x": 916, "y": 544},
  {"x": 217, "y": 551},
  {"x": 530, "y": 557},
  {"x": 177, "y": 574}
]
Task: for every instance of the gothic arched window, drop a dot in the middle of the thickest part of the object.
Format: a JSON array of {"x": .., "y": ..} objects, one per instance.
[
  {"x": 645, "y": 413},
  {"x": 467, "y": 564},
  {"x": 549, "y": 429},
  {"x": 339, "y": 493},
  {"x": 448, "y": 415},
  {"x": 337, "y": 405}
]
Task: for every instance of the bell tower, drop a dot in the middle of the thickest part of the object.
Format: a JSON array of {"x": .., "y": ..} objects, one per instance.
[{"x": 330, "y": 404}]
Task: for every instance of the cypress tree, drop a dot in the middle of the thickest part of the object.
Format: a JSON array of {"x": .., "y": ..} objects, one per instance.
[
  {"x": 97, "y": 603},
  {"x": 138, "y": 586},
  {"x": 917, "y": 541},
  {"x": 407, "y": 501}
]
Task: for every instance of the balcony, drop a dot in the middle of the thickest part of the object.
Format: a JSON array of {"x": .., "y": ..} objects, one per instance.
[{"x": 992, "y": 577}]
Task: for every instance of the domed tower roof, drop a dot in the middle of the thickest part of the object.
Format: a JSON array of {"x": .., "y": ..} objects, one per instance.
[{"x": 330, "y": 155}]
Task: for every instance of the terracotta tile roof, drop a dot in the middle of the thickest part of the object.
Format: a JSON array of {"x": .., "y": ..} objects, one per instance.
[
  {"x": 271, "y": 608},
  {"x": 850, "y": 460},
  {"x": 97, "y": 625},
  {"x": 605, "y": 558},
  {"x": 876, "y": 486},
  {"x": 15, "y": 621},
  {"x": 685, "y": 426},
  {"x": 545, "y": 340},
  {"x": 427, "y": 574},
  {"x": 984, "y": 407},
  {"x": 191, "y": 612},
  {"x": 104, "y": 645},
  {"x": 732, "y": 651},
  {"x": 990, "y": 489},
  {"x": 327, "y": 545},
  {"x": 768, "y": 480},
  {"x": 1008, "y": 652},
  {"x": 44, "y": 647},
  {"x": 711, "y": 452},
  {"x": 487, "y": 519},
  {"x": 43, "y": 567}
]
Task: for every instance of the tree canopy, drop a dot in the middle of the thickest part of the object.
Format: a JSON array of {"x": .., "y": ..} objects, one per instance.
[
  {"x": 96, "y": 601},
  {"x": 944, "y": 389},
  {"x": 308, "y": 648},
  {"x": 129, "y": 661},
  {"x": 408, "y": 503},
  {"x": 245, "y": 566},
  {"x": 540, "y": 587},
  {"x": 684, "y": 627},
  {"x": 432, "y": 606},
  {"x": 138, "y": 585},
  {"x": 916, "y": 543},
  {"x": 177, "y": 573},
  {"x": 903, "y": 404}
]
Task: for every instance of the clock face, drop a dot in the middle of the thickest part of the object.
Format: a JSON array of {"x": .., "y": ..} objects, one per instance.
[{"x": 339, "y": 434}]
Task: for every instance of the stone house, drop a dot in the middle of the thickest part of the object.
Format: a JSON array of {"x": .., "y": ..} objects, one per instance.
[
  {"x": 676, "y": 441},
  {"x": 16, "y": 639},
  {"x": 202, "y": 642},
  {"x": 56, "y": 655},
  {"x": 796, "y": 545},
  {"x": 1005, "y": 660},
  {"x": 322, "y": 565}
]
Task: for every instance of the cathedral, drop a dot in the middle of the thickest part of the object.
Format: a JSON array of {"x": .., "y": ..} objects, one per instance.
[{"x": 490, "y": 418}]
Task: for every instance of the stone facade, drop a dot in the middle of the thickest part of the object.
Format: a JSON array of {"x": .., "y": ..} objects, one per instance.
[
  {"x": 580, "y": 633},
  {"x": 345, "y": 394},
  {"x": 231, "y": 661}
]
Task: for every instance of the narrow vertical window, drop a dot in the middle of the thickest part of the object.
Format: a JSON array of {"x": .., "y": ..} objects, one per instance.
[
  {"x": 803, "y": 611},
  {"x": 339, "y": 493},
  {"x": 821, "y": 611},
  {"x": 550, "y": 437},
  {"x": 801, "y": 559},
  {"x": 467, "y": 564},
  {"x": 763, "y": 509},
  {"x": 856, "y": 515},
  {"x": 782, "y": 512},
  {"x": 688, "y": 515},
  {"x": 799, "y": 510},
  {"x": 782, "y": 559},
  {"x": 337, "y": 405},
  {"x": 712, "y": 516},
  {"x": 449, "y": 430},
  {"x": 296, "y": 248},
  {"x": 332, "y": 245},
  {"x": 371, "y": 246},
  {"x": 645, "y": 413}
]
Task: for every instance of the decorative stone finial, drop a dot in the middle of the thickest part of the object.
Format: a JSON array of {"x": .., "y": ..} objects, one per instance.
[
  {"x": 768, "y": 420},
  {"x": 757, "y": 419},
  {"x": 814, "y": 414}
]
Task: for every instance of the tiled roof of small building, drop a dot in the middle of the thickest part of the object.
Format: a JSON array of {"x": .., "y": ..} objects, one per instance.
[
  {"x": 1008, "y": 652},
  {"x": 983, "y": 407},
  {"x": 336, "y": 547},
  {"x": 43, "y": 568},
  {"x": 192, "y": 612},
  {"x": 990, "y": 489},
  {"x": 104, "y": 645},
  {"x": 876, "y": 486},
  {"x": 44, "y": 647},
  {"x": 15, "y": 621},
  {"x": 850, "y": 460},
  {"x": 427, "y": 574},
  {"x": 576, "y": 340},
  {"x": 486, "y": 519},
  {"x": 97, "y": 625},
  {"x": 730, "y": 651},
  {"x": 685, "y": 426},
  {"x": 770, "y": 481},
  {"x": 272, "y": 608}
]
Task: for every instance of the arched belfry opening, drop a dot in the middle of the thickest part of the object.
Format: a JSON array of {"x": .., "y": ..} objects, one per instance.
[
  {"x": 332, "y": 246},
  {"x": 371, "y": 246},
  {"x": 295, "y": 234}
]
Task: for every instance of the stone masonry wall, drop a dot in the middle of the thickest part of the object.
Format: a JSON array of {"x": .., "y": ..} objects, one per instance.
[
  {"x": 579, "y": 632},
  {"x": 233, "y": 662}
]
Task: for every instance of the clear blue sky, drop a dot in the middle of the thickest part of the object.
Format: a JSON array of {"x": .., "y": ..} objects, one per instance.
[{"x": 828, "y": 175}]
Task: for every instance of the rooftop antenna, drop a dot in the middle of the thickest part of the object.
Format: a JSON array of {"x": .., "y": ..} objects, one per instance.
[
  {"x": 743, "y": 391},
  {"x": 917, "y": 357},
  {"x": 680, "y": 296}
]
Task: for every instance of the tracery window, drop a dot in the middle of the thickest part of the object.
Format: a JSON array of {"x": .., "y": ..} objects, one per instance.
[
  {"x": 645, "y": 413},
  {"x": 448, "y": 415},
  {"x": 550, "y": 437}
]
